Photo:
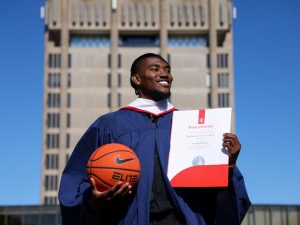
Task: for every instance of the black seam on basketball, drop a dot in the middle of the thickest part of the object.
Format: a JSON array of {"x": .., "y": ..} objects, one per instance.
[
  {"x": 101, "y": 179},
  {"x": 111, "y": 168},
  {"x": 121, "y": 150}
]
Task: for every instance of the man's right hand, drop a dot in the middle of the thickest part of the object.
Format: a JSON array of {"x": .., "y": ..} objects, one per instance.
[{"x": 101, "y": 200}]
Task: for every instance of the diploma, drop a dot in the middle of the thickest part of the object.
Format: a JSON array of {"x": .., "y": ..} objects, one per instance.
[{"x": 197, "y": 158}]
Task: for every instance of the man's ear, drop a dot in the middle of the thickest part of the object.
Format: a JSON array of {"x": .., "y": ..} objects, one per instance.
[{"x": 136, "y": 79}]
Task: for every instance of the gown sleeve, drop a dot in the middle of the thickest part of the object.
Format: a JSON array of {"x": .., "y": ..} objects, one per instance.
[
  {"x": 232, "y": 202},
  {"x": 74, "y": 186}
]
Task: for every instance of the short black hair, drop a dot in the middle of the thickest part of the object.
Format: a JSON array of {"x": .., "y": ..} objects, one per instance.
[{"x": 136, "y": 66}]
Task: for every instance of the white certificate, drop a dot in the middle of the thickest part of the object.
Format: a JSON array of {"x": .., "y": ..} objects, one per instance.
[{"x": 197, "y": 158}]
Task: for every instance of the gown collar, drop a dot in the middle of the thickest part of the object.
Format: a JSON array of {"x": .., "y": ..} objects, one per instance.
[{"x": 152, "y": 107}]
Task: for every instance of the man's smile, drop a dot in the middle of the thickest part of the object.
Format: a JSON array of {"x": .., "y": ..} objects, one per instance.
[{"x": 164, "y": 83}]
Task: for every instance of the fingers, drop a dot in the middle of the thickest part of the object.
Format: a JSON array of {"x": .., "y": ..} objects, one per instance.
[
  {"x": 119, "y": 190},
  {"x": 111, "y": 192},
  {"x": 94, "y": 187},
  {"x": 231, "y": 142},
  {"x": 122, "y": 191},
  {"x": 92, "y": 182}
]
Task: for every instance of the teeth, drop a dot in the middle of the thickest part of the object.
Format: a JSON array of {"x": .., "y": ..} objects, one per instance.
[{"x": 165, "y": 83}]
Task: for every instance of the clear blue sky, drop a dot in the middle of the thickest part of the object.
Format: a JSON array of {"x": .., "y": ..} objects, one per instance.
[{"x": 267, "y": 93}]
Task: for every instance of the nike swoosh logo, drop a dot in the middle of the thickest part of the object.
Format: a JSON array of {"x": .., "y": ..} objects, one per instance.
[{"x": 121, "y": 161}]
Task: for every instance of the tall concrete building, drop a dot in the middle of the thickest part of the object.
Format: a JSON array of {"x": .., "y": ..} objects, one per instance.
[{"x": 89, "y": 48}]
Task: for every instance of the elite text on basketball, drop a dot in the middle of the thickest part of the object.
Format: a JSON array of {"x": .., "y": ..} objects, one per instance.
[{"x": 129, "y": 178}]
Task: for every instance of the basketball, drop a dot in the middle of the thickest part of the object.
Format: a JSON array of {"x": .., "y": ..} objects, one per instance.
[{"x": 112, "y": 163}]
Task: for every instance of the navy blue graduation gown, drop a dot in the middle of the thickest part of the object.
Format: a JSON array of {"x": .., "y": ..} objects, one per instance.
[{"x": 199, "y": 206}]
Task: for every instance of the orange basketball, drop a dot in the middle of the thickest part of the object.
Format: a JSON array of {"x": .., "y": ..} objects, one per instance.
[{"x": 112, "y": 163}]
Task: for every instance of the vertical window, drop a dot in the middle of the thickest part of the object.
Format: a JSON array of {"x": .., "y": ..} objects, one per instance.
[
  {"x": 109, "y": 100},
  {"x": 49, "y": 122},
  {"x": 51, "y": 182},
  {"x": 221, "y": 14},
  {"x": 46, "y": 201},
  {"x": 119, "y": 99},
  {"x": 50, "y": 61},
  {"x": 123, "y": 13},
  {"x": 153, "y": 13},
  {"x": 53, "y": 80},
  {"x": 172, "y": 14},
  {"x": 69, "y": 60},
  {"x": 53, "y": 120},
  {"x": 208, "y": 60},
  {"x": 69, "y": 80},
  {"x": 119, "y": 60},
  {"x": 54, "y": 61},
  {"x": 222, "y": 60},
  {"x": 57, "y": 97},
  {"x": 180, "y": 13},
  {"x": 51, "y": 161},
  {"x": 109, "y": 61},
  {"x": 119, "y": 80},
  {"x": 223, "y": 100},
  {"x": 223, "y": 80},
  {"x": 49, "y": 100},
  {"x": 202, "y": 13},
  {"x": 68, "y": 141},
  {"x": 104, "y": 14},
  {"x": 52, "y": 141},
  {"x": 81, "y": 12},
  {"x": 209, "y": 100},
  {"x": 131, "y": 13},
  {"x": 219, "y": 61},
  {"x": 187, "y": 13},
  {"x": 109, "y": 80},
  {"x": 53, "y": 100},
  {"x": 195, "y": 13},
  {"x": 97, "y": 15},
  {"x": 69, "y": 100},
  {"x": 208, "y": 80},
  {"x": 226, "y": 60},
  {"x": 139, "y": 13},
  {"x": 146, "y": 13},
  {"x": 58, "y": 60},
  {"x": 68, "y": 120}
]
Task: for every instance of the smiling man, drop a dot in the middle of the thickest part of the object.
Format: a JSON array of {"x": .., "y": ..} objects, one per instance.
[
  {"x": 144, "y": 126},
  {"x": 151, "y": 77}
]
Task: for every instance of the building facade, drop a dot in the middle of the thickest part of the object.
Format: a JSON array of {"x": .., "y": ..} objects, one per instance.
[{"x": 89, "y": 48}]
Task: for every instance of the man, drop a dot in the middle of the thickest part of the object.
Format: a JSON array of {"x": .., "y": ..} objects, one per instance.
[{"x": 144, "y": 126}]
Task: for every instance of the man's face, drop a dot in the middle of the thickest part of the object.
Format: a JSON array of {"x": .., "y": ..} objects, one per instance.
[{"x": 153, "y": 79}]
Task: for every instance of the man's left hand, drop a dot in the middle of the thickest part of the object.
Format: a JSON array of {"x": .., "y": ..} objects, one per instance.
[{"x": 231, "y": 142}]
